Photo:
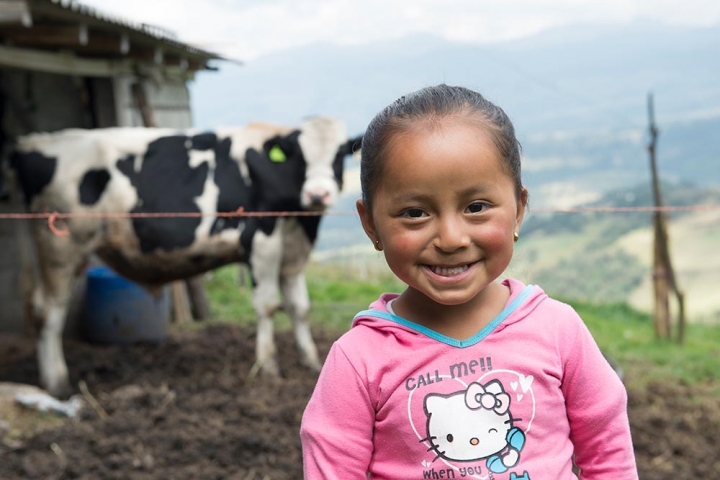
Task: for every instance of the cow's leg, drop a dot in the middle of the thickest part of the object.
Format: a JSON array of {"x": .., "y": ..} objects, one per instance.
[
  {"x": 265, "y": 265},
  {"x": 297, "y": 302},
  {"x": 51, "y": 359},
  {"x": 51, "y": 300},
  {"x": 58, "y": 262}
]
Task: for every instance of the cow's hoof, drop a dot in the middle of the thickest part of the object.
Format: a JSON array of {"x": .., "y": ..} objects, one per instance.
[
  {"x": 270, "y": 370},
  {"x": 267, "y": 369},
  {"x": 61, "y": 391}
]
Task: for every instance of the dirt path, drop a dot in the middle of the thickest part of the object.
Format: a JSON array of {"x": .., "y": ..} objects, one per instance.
[{"x": 184, "y": 410}]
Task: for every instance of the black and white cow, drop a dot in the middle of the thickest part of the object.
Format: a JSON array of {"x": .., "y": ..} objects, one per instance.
[{"x": 258, "y": 167}]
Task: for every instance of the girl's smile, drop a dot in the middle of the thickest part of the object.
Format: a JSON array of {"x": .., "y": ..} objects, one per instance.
[{"x": 450, "y": 271}]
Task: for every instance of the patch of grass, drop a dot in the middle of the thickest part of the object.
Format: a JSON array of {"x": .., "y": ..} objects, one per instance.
[
  {"x": 628, "y": 336},
  {"x": 229, "y": 301},
  {"x": 336, "y": 295},
  {"x": 625, "y": 334}
]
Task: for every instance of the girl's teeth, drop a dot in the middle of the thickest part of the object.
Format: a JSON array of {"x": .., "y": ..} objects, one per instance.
[{"x": 449, "y": 271}]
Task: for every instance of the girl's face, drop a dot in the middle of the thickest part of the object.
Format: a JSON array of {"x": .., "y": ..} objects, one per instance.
[{"x": 445, "y": 211}]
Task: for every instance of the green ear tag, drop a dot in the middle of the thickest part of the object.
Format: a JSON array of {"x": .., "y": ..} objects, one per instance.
[{"x": 276, "y": 154}]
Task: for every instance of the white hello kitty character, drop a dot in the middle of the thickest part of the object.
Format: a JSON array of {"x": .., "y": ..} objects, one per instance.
[{"x": 474, "y": 424}]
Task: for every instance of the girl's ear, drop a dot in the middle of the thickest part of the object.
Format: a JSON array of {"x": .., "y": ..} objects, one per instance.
[
  {"x": 366, "y": 220},
  {"x": 521, "y": 207}
]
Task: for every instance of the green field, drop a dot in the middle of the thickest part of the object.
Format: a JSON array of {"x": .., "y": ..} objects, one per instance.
[
  {"x": 622, "y": 332},
  {"x": 606, "y": 257}
]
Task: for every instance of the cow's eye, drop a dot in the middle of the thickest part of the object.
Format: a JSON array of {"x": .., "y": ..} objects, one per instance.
[{"x": 450, "y": 437}]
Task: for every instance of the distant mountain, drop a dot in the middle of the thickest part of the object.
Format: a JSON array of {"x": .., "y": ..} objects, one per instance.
[
  {"x": 568, "y": 78},
  {"x": 577, "y": 96}
]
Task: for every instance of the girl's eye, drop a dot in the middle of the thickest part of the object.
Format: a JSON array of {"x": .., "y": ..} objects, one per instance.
[
  {"x": 412, "y": 213},
  {"x": 477, "y": 207}
]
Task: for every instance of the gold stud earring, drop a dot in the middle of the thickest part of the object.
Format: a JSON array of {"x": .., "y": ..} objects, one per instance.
[
  {"x": 516, "y": 237},
  {"x": 377, "y": 246}
]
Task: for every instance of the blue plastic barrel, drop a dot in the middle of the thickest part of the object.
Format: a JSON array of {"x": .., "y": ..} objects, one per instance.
[{"x": 120, "y": 311}]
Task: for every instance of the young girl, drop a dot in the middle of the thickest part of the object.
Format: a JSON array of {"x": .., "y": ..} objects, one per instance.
[{"x": 461, "y": 375}]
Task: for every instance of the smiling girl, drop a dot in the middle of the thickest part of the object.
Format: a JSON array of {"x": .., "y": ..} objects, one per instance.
[{"x": 461, "y": 374}]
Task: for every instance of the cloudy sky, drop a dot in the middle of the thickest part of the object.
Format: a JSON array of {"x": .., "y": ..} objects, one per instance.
[{"x": 247, "y": 29}]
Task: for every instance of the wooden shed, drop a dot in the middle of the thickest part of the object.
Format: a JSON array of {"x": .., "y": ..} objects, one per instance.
[{"x": 64, "y": 64}]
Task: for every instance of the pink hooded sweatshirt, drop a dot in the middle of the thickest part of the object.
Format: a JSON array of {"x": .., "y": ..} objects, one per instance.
[{"x": 516, "y": 401}]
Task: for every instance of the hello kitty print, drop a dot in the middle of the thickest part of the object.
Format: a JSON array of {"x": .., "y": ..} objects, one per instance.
[{"x": 473, "y": 421}]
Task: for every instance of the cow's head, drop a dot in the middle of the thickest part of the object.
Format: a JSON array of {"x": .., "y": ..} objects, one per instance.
[
  {"x": 302, "y": 169},
  {"x": 324, "y": 144}
]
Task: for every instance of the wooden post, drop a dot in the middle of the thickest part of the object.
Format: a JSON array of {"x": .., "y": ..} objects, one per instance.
[
  {"x": 660, "y": 285},
  {"x": 681, "y": 315},
  {"x": 146, "y": 112},
  {"x": 23, "y": 234},
  {"x": 181, "y": 303},
  {"x": 198, "y": 299},
  {"x": 28, "y": 265},
  {"x": 243, "y": 273},
  {"x": 663, "y": 275}
]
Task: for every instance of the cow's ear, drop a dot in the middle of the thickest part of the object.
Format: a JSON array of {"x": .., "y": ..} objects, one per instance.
[{"x": 355, "y": 144}]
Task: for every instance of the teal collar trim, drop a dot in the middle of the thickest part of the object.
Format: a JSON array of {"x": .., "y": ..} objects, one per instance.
[{"x": 509, "y": 309}]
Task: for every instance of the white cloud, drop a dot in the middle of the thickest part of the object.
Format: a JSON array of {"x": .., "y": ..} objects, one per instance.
[{"x": 253, "y": 28}]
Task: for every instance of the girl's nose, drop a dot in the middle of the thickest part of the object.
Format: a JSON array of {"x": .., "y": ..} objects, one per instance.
[{"x": 451, "y": 234}]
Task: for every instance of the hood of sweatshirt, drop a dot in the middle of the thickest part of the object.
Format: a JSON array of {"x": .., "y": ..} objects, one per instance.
[{"x": 524, "y": 299}]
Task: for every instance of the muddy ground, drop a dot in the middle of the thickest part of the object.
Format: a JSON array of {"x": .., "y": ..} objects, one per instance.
[{"x": 185, "y": 409}]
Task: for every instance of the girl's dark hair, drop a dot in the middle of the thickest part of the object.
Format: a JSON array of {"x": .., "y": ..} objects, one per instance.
[{"x": 427, "y": 107}]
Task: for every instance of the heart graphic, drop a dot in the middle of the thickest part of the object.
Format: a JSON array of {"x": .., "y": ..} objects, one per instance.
[
  {"x": 514, "y": 385},
  {"x": 525, "y": 382},
  {"x": 520, "y": 396}
]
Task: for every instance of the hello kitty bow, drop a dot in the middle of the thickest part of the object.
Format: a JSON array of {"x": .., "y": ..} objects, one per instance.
[{"x": 490, "y": 397}]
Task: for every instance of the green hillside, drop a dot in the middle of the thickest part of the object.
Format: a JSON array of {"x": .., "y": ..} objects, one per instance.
[
  {"x": 595, "y": 257},
  {"x": 607, "y": 257}
]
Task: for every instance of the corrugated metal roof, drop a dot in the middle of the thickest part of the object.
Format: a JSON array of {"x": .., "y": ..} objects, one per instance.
[
  {"x": 158, "y": 33},
  {"x": 100, "y": 15}
]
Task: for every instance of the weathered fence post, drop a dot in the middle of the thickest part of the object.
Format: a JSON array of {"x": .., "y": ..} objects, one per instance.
[{"x": 663, "y": 275}]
